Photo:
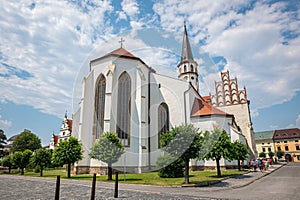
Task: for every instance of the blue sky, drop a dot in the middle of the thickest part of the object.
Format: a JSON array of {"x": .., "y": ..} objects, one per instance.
[{"x": 45, "y": 47}]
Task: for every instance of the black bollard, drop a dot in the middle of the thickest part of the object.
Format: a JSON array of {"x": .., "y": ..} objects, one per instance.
[
  {"x": 93, "y": 187},
  {"x": 116, "y": 185},
  {"x": 57, "y": 188}
]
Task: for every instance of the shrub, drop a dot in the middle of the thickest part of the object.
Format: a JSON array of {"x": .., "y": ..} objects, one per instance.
[{"x": 172, "y": 170}]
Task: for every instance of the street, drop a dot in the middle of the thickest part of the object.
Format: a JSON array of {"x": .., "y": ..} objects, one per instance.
[{"x": 281, "y": 184}]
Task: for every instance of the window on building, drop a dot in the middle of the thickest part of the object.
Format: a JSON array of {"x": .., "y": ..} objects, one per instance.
[
  {"x": 278, "y": 142},
  {"x": 263, "y": 143},
  {"x": 264, "y": 149},
  {"x": 285, "y": 141},
  {"x": 296, "y": 140},
  {"x": 279, "y": 148},
  {"x": 269, "y": 149},
  {"x": 298, "y": 157},
  {"x": 163, "y": 120},
  {"x": 286, "y": 148},
  {"x": 297, "y": 147},
  {"x": 124, "y": 109},
  {"x": 99, "y": 105},
  {"x": 184, "y": 68},
  {"x": 192, "y": 68},
  {"x": 268, "y": 142}
]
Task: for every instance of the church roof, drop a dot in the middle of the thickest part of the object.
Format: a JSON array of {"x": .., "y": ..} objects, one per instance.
[
  {"x": 70, "y": 122},
  {"x": 201, "y": 108},
  {"x": 186, "y": 52},
  {"x": 121, "y": 52}
]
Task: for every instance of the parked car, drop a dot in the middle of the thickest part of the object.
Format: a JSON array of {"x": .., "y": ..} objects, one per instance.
[{"x": 282, "y": 160}]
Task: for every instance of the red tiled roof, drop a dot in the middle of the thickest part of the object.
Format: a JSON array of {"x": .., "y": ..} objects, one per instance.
[
  {"x": 207, "y": 99},
  {"x": 287, "y": 133},
  {"x": 70, "y": 122},
  {"x": 121, "y": 52},
  {"x": 201, "y": 108}
]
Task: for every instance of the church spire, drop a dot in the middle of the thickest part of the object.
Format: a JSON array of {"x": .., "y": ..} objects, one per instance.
[
  {"x": 186, "y": 52},
  {"x": 187, "y": 68}
]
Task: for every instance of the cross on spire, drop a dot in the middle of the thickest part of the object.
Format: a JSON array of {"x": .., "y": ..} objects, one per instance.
[{"x": 121, "y": 41}]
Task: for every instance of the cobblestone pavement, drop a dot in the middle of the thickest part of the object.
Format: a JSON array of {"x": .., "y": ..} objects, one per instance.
[{"x": 22, "y": 187}]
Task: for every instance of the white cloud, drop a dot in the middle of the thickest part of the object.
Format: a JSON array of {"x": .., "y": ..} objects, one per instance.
[
  {"x": 298, "y": 121},
  {"x": 5, "y": 124},
  {"x": 47, "y": 41},
  {"x": 130, "y": 7},
  {"x": 251, "y": 40}
]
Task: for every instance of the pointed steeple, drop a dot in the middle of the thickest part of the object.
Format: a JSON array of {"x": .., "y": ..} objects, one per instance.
[
  {"x": 187, "y": 68},
  {"x": 186, "y": 52}
]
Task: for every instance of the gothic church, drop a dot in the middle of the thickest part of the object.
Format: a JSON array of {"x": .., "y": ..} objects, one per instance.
[{"x": 122, "y": 94}]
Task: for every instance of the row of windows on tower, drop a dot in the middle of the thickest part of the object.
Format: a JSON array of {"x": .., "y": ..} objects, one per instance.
[
  {"x": 123, "y": 110},
  {"x": 192, "y": 69}
]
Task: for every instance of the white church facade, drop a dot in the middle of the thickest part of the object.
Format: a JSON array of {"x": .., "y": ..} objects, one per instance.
[{"x": 123, "y": 94}]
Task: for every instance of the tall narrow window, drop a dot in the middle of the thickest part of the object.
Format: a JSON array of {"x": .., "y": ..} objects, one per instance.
[
  {"x": 100, "y": 105},
  {"x": 184, "y": 68},
  {"x": 123, "y": 112},
  {"x": 163, "y": 120},
  {"x": 192, "y": 68}
]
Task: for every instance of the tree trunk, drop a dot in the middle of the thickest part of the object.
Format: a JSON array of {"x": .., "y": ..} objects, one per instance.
[
  {"x": 109, "y": 171},
  {"x": 9, "y": 169},
  {"x": 218, "y": 167},
  {"x": 41, "y": 171},
  {"x": 239, "y": 164},
  {"x": 69, "y": 170},
  {"x": 186, "y": 173},
  {"x": 22, "y": 170}
]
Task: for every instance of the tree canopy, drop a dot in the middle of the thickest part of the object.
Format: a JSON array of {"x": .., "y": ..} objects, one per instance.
[
  {"x": 42, "y": 158},
  {"x": 26, "y": 140},
  {"x": 108, "y": 148},
  {"x": 182, "y": 142},
  {"x": 7, "y": 162},
  {"x": 67, "y": 152},
  {"x": 216, "y": 145},
  {"x": 2, "y": 142},
  {"x": 21, "y": 159},
  {"x": 240, "y": 152}
]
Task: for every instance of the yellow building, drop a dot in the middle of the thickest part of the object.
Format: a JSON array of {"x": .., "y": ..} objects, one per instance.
[
  {"x": 264, "y": 142},
  {"x": 288, "y": 141}
]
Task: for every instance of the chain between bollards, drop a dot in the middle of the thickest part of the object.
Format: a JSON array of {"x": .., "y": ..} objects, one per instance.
[{"x": 116, "y": 185}]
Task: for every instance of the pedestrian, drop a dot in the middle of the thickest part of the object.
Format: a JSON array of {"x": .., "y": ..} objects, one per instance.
[
  {"x": 259, "y": 161},
  {"x": 254, "y": 166}
]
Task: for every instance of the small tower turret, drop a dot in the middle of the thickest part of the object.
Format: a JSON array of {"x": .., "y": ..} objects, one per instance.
[{"x": 188, "y": 68}]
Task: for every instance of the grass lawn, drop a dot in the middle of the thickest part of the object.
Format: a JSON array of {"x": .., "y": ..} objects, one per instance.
[{"x": 150, "y": 178}]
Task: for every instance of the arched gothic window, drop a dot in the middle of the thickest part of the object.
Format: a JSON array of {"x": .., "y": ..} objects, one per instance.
[
  {"x": 184, "y": 68},
  {"x": 163, "y": 120},
  {"x": 192, "y": 68},
  {"x": 123, "y": 109},
  {"x": 100, "y": 105}
]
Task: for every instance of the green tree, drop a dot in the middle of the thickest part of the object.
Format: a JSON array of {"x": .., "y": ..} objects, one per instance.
[
  {"x": 21, "y": 159},
  {"x": 108, "y": 148},
  {"x": 67, "y": 152},
  {"x": 216, "y": 145},
  {"x": 26, "y": 140},
  {"x": 2, "y": 142},
  {"x": 7, "y": 162},
  {"x": 262, "y": 154},
  {"x": 271, "y": 154},
  {"x": 170, "y": 167},
  {"x": 240, "y": 152},
  {"x": 42, "y": 158},
  {"x": 279, "y": 153},
  {"x": 182, "y": 142}
]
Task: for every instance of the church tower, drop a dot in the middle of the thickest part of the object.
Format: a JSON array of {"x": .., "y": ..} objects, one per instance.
[{"x": 187, "y": 68}]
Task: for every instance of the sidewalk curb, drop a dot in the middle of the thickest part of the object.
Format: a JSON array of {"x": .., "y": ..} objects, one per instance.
[
  {"x": 265, "y": 174},
  {"x": 211, "y": 183}
]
